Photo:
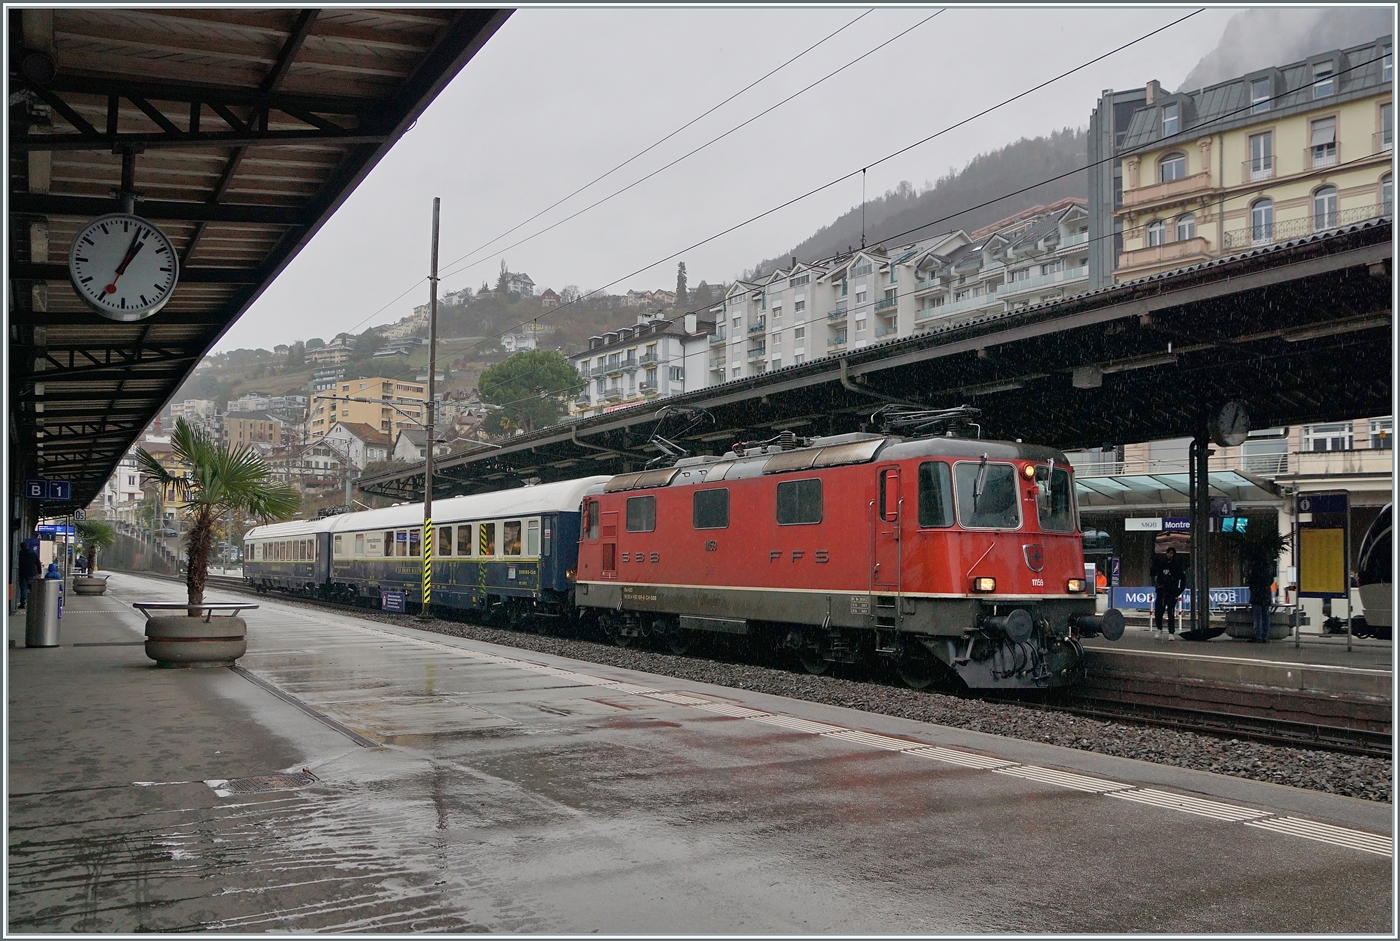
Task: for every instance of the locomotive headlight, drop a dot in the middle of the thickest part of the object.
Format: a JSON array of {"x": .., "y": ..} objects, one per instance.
[
  {"x": 984, "y": 583},
  {"x": 1075, "y": 585},
  {"x": 570, "y": 574},
  {"x": 1029, "y": 471}
]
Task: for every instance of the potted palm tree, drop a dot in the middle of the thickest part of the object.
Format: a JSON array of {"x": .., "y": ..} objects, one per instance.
[
  {"x": 212, "y": 478},
  {"x": 96, "y": 534}
]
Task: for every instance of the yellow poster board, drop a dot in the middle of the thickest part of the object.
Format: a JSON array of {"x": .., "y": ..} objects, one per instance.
[{"x": 1322, "y": 562}]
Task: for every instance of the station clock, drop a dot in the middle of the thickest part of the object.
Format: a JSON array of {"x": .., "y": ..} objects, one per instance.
[{"x": 123, "y": 267}]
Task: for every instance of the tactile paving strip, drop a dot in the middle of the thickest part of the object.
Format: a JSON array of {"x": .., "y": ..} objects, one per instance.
[
  {"x": 1326, "y": 833},
  {"x": 1078, "y": 782},
  {"x": 1191, "y": 805}
]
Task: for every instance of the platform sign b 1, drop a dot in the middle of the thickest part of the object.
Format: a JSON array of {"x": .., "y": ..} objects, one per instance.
[{"x": 37, "y": 488}]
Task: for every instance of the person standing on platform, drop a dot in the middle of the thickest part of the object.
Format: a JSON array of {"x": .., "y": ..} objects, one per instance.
[
  {"x": 1168, "y": 580},
  {"x": 1259, "y": 578},
  {"x": 28, "y": 568}
]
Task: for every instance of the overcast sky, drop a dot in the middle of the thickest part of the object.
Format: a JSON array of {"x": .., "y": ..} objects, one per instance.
[{"x": 559, "y": 96}]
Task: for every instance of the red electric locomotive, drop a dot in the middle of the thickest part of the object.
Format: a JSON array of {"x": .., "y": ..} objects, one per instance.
[{"x": 939, "y": 554}]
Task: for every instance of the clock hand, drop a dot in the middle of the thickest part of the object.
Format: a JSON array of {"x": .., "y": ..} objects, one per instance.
[{"x": 136, "y": 245}]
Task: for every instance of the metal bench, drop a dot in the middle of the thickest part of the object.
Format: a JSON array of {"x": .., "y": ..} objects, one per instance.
[{"x": 224, "y": 609}]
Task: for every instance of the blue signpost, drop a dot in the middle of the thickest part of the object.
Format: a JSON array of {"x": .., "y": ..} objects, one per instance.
[{"x": 52, "y": 491}]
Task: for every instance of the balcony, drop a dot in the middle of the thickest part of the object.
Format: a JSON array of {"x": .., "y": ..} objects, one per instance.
[
  {"x": 1044, "y": 280},
  {"x": 717, "y": 336},
  {"x": 1198, "y": 184},
  {"x": 1383, "y": 142},
  {"x": 1342, "y": 463},
  {"x": 885, "y": 303},
  {"x": 886, "y": 329},
  {"x": 757, "y": 352},
  {"x": 647, "y": 388},
  {"x": 629, "y": 363},
  {"x": 759, "y": 325},
  {"x": 1320, "y": 157},
  {"x": 1253, "y": 236},
  {"x": 717, "y": 363},
  {"x": 923, "y": 287},
  {"x": 838, "y": 340},
  {"x": 614, "y": 394},
  {"x": 583, "y": 400},
  {"x": 837, "y": 314},
  {"x": 1253, "y": 170},
  {"x": 1171, "y": 254},
  {"x": 1078, "y": 238},
  {"x": 612, "y": 369},
  {"x": 647, "y": 359}
]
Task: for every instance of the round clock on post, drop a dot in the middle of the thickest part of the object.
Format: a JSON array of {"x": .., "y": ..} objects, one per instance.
[
  {"x": 1229, "y": 425},
  {"x": 123, "y": 267}
]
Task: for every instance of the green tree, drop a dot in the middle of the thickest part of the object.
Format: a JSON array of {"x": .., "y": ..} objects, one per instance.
[
  {"x": 95, "y": 534},
  {"x": 217, "y": 478},
  {"x": 531, "y": 387},
  {"x": 682, "y": 298}
]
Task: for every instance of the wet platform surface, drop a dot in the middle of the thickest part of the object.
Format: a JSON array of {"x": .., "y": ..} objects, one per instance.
[{"x": 460, "y": 786}]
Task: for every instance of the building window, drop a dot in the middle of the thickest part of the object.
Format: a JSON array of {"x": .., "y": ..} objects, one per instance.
[
  {"x": 860, "y": 329},
  {"x": 1325, "y": 208},
  {"x": 1387, "y": 127},
  {"x": 1381, "y": 430},
  {"x": 1387, "y": 194},
  {"x": 1322, "y": 79},
  {"x": 1156, "y": 234},
  {"x": 1261, "y": 156},
  {"x": 799, "y": 333},
  {"x": 1387, "y": 65},
  {"x": 797, "y": 307},
  {"x": 1333, "y": 437},
  {"x": 677, "y": 373},
  {"x": 1186, "y": 228},
  {"x": 1259, "y": 95},
  {"x": 1172, "y": 167},
  {"x": 1324, "y": 142},
  {"x": 1171, "y": 120},
  {"x": 1020, "y": 274},
  {"x": 1261, "y": 222},
  {"x": 1265, "y": 456}
]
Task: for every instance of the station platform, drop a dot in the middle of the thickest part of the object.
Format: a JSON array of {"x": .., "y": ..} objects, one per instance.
[{"x": 352, "y": 775}]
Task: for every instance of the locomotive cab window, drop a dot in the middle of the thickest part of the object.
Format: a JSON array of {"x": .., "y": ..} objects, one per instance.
[
  {"x": 935, "y": 494},
  {"x": 510, "y": 538},
  {"x": 464, "y": 539},
  {"x": 1055, "y": 500},
  {"x": 987, "y": 495},
  {"x": 710, "y": 509},
  {"x": 799, "y": 502},
  {"x": 641, "y": 514},
  {"x": 889, "y": 494},
  {"x": 592, "y": 519}
]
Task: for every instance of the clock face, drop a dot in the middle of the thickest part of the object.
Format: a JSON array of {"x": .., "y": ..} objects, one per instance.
[
  {"x": 1231, "y": 425},
  {"x": 123, "y": 267}
]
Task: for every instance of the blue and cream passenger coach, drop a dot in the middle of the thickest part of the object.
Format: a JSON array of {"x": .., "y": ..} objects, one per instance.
[{"x": 512, "y": 552}]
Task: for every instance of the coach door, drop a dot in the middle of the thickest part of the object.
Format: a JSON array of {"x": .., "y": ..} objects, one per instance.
[
  {"x": 609, "y": 534},
  {"x": 322, "y": 564},
  {"x": 885, "y": 524}
]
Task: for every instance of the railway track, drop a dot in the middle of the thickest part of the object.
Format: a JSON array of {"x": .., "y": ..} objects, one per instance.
[{"x": 1181, "y": 717}]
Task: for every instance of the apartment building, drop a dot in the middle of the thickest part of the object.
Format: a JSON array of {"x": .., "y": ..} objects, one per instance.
[
  {"x": 808, "y": 311},
  {"x": 334, "y": 353},
  {"x": 386, "y": 405},
  {"x": 636, "y": 363},
  {"x": 122, "y": 492},
  {"x": 252, "y": 428},
  {"x": 1270, "y": 156}
]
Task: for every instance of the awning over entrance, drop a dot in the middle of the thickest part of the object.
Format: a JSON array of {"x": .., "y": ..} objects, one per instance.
[{"x": 1131, "y": 494}]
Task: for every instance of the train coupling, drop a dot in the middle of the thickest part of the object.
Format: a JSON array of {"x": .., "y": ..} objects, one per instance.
[{"x": 1110, "y": 624}]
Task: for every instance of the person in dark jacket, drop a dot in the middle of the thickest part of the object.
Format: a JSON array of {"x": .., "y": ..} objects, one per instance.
[
  {"x": 1169, "y": 580},
  {"x": 1259, "y": 578},
  {"x": 28, "y": 568}
]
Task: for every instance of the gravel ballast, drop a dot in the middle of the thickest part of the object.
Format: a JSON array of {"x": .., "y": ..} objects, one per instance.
[{"x": 1357, "y": 776}]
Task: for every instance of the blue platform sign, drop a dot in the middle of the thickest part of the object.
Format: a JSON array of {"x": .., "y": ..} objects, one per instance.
[
  {"x": 36, "y": 488},
  {"x": 1144, "y": 598},
  {"x": 1322, "y": 503},
  {"x": 393, "y": 602},
  {"x": 1176, "y": 524}
]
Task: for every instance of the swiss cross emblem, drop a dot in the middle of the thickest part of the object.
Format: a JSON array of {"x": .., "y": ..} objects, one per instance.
[{"x": 1035, "y": 557}]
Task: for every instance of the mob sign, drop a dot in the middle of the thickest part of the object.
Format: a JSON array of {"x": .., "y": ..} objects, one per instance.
[
  {"x": 1323, "y": 545},
  {"x": 1145, "y": 598}
]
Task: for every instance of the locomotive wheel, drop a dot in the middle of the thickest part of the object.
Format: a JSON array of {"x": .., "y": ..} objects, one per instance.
[
  {"x": 621, "y": 639},
  {"x": 677, "y": 641},
  {"x": 809, "y": 654},
  {"x": 915, "y": 670}
]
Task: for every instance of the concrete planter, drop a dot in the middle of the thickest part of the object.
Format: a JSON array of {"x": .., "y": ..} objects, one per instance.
[
  {"x": 1239, "y": 624},
  {"x": 192, "y": 642},
  {"x": 89, "y": 584}
]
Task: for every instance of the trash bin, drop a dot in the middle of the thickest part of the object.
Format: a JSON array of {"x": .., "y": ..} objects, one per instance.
[{"x": 41, "y": 614}]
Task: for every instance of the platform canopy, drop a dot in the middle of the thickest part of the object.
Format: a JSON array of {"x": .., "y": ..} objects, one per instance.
[{"x": 242, "y": 130}]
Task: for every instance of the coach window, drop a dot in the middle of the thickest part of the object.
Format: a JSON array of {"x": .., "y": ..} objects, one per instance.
[
  {"x": 359, "y": 545},
  {"x": 592, "y": 519},
  {"x": 510, "y": 537},
  {"x": 415, "y": 543},
  {"x": 935, "y": 494},
  {"x": 710, "y": 509},
  {"x": 799, "y": 501},
  {"x": 641, "y": 514},
  {"x": 487, "y": 542},
  {"x": 464, "y": 539},
  {"x": 444, "y": 535},
  {"x": 388, "y": 543},
  {"x": 1054, "y": 500},
  {"x": 987, "y": 495},
  {"x": 532, "y": 537}
]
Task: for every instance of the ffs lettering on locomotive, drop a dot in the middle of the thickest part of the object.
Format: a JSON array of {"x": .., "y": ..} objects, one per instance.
[{"x": 946, "y": 556}]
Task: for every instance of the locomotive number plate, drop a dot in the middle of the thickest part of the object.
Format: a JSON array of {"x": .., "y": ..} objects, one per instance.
[{"x": 860, "y": 604}]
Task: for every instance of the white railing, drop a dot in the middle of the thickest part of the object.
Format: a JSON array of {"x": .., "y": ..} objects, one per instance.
[
  {"x": 1078, "y": 238},
  {"x": 1040, "y": 281}
]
